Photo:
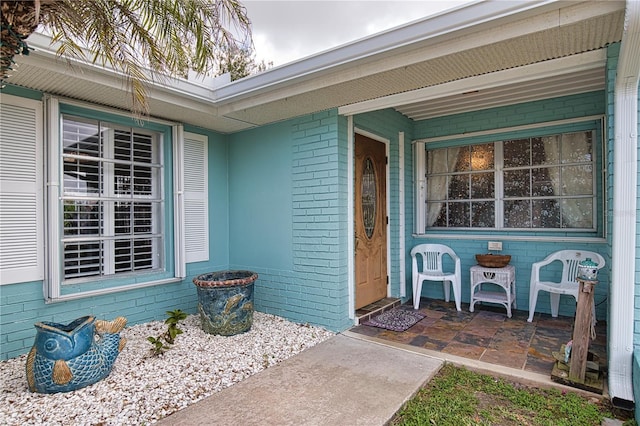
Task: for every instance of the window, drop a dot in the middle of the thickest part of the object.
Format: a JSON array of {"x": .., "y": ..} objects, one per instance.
[
  {"x": 95, "y": 203},
  {"x": 111, "y": 199},
  {"x": 534, "y": 183}
]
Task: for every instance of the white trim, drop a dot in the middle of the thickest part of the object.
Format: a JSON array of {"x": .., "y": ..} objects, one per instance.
[
  {"x": 470, "y": 25},
  {"x": 420, "y": 187},
  {"x": 536, "y": 238},
  {"x": 461, "y": 28},
  {"x": 109, "y": 110},
  {"x": 351, "y": 277},
  {"x": 502, "y": 130},
  {"x": 178, "y": 202},
  {"x": 180, "y": 91},
  {"x": 625, "y": 199},
  {"x": 401, "y": 216},
  {"x": 554, "y": 67},
  {"x": 53, "y": 280},
  {"x": 52, "y": 117},
  {"x": 110, "y": 290}
]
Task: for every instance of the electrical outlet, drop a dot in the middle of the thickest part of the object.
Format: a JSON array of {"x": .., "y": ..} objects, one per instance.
[{"x": 495, "y": 245}]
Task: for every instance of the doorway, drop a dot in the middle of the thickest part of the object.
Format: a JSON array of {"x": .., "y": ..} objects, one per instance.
[{"x": 370, "y": 220}]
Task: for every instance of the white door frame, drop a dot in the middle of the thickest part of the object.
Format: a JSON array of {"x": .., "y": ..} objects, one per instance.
[{"x": 351, "y": 132}]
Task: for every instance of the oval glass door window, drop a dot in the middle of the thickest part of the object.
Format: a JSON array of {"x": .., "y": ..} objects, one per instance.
[{"x": 369, "y": 197}]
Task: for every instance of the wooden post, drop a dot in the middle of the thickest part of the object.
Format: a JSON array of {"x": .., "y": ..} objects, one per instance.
[{"x": 582, "y": 331}]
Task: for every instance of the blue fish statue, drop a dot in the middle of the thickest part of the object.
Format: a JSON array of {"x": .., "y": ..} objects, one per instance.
[{"x": 66, "y": 357}]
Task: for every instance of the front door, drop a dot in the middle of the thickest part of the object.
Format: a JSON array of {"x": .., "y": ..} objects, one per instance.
[{"x": 370, "y": 219}]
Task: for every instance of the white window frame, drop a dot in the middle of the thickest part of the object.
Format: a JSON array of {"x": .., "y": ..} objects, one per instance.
[
  {"x": 53, "y": 281},
  {"x": 420, "y": 168}
]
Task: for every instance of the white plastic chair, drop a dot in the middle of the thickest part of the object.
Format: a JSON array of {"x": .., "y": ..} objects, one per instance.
[
  {"x": 432, "y": 271},
  {"x": 567, "y": 285}
]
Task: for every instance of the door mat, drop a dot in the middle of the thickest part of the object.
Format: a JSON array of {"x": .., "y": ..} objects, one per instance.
[{"x": 396, "y": 319}]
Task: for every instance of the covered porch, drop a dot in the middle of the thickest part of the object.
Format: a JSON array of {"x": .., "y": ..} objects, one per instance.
[{"x": 485, "y": 339}]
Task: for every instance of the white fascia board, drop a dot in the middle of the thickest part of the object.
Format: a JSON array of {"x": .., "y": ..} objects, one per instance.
[
  {"x": 109, "y": 78},
  {"x": 435, "y": 27},
  {"x": 430, "y": 43},
  {"x": 554, "y": 67},
  {"x": 625, "y": 174},
  {"x": 175, "y": 90}
]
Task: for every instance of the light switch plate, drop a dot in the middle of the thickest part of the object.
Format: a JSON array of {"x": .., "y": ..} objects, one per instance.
[{"x": 495, "y": 245}]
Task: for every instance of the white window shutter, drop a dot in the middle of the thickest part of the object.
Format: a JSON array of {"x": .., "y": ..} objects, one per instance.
[
  {"x": 196, "y": 201},
  {"x": 21, "y": 217}
]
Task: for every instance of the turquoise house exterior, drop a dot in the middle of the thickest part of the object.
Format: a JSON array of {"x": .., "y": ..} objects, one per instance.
[{"x": 258, "y": 174}]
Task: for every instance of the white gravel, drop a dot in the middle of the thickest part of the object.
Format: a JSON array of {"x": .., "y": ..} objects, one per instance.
[{"x": 142, "y": 388}]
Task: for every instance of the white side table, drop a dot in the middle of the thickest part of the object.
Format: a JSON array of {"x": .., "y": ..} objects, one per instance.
[{"x": 502, "y": 277}]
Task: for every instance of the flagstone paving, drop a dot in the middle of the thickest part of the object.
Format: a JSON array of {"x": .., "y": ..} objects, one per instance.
[{"x": 488, "y": 335}]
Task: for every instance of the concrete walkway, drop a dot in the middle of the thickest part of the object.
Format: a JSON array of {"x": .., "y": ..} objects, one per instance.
[{"x": 342, "y": 381}]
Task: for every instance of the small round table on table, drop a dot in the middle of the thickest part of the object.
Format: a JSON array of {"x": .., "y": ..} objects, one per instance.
[{"x": 505, "y": 278}]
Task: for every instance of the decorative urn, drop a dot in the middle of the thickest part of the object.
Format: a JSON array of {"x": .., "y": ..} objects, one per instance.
[
  {"x": 588, "y": 270},
  {"x": 225, "y": 301}
]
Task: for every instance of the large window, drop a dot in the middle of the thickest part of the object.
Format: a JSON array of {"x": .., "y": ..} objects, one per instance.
[
  {"x": 535, "y": 183},
  {"x": 111, "y": 199},
  {"x": 96, "y": 202}
]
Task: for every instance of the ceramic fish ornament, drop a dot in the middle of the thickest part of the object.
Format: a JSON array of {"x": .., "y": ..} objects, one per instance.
[{"x": 72, "y": 356}]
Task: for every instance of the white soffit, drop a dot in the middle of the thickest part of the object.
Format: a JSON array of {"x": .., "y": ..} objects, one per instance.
[
  {"x": 505, "y": 43},
  {"x": 530, "y": 30},
  {"x": 582, "y": 82},
  {"x": 565, "y": 76},
  {"x": 54, "y": 76},
  {"x": 432, "y": 54}
]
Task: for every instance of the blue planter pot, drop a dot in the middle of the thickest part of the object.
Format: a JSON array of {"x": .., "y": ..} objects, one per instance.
[{"x": 225, "y": 301}]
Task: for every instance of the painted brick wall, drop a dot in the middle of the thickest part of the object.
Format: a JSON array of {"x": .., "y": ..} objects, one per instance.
[
  {"x": 23, "y": 305},
  {"x": 524, "y": 253},
  {"x": 319, "y": 214},
  {"x": 314, "y": 289},
  {"x": 301, "y": 277}
]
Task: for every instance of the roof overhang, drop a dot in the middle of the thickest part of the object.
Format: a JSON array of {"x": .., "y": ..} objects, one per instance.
[
  {"x": 579, "y": 73},
  {"x": 469, "y": 49}
]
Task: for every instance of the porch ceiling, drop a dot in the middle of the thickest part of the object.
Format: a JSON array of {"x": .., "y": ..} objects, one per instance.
[
  {"x": 560, "y": 85},
  {"x": 463, "y": 45},
  {"x": 546, "y": 44}
]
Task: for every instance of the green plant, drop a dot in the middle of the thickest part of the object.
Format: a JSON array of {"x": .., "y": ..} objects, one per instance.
[
  {"x": 166, "y": 339},
  {"x": 457, "y": 396}
]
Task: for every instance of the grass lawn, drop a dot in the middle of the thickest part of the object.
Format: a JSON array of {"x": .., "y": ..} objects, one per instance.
[{"x": 457, "y": 396}]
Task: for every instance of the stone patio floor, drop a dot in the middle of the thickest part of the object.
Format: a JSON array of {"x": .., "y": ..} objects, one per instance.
[{"x": 486, "y": 335}]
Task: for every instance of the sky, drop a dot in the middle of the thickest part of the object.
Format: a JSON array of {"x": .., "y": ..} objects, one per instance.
[{"x": 287, "y": 30}]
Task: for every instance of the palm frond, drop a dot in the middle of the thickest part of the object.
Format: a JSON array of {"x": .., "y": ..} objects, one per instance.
[{"x": 146, "y": 40}]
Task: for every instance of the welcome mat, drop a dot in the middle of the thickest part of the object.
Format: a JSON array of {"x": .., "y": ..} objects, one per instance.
[{"x": 396, "y": 319}]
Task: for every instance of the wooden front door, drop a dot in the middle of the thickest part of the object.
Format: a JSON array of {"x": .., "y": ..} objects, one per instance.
[{"x": 370, "y": 217}]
